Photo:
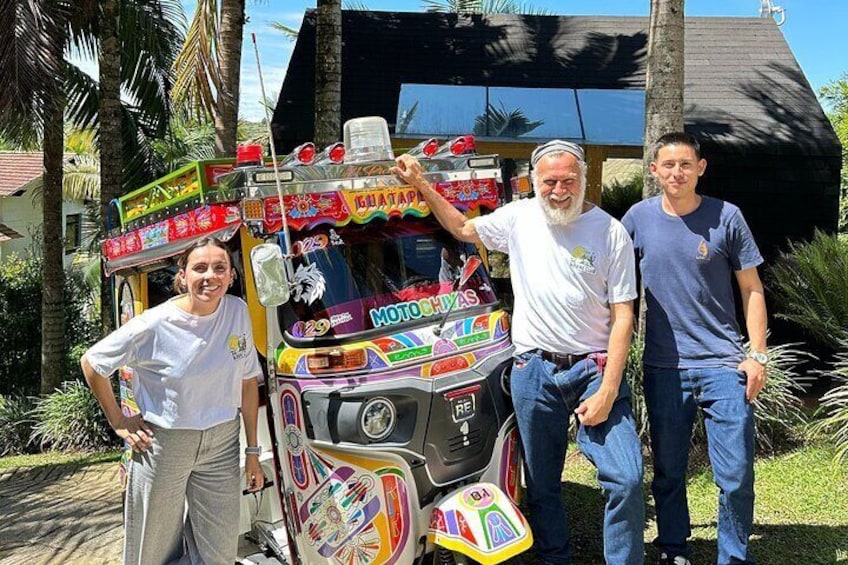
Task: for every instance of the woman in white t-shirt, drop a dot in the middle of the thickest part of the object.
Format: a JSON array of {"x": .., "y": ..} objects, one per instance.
[{"x": 194, "y": 369}]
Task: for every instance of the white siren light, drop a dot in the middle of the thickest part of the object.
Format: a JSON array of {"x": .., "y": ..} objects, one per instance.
[{"x": 367, "y": 139}]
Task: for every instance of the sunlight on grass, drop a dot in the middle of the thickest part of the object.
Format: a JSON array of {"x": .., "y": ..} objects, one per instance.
[
  {"x": 801, "y": 512},
  {"x": 57, "y": 458}
]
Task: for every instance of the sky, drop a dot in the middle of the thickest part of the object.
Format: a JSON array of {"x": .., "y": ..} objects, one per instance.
[{"x": 816, "y": 31}]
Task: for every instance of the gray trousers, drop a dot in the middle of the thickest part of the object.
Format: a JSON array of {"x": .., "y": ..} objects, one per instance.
[{"x": 182, "y": 498}]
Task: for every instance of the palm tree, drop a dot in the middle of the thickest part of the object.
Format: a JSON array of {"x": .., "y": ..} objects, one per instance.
[
  {"x": 41, "y": 87},
  {"x": 328, "y": 72},
  {"x": 207, "y": 70},
  {"x": 664, "y": 79},
  {"x": 483, "y": 7}
]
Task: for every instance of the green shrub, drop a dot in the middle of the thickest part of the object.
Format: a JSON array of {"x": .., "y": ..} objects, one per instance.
[
  {"x": 20, "y": 323},
  {"x": 831, "y": 423},
  {"x": 71, "y": 419},
  {"x": 618, "y": 196},
  {"x": 15, "y": 424},
  {"x": 810, "y": 285},
  {"x": 779, "y": 418},
  {"x": 778, "y": 410}
]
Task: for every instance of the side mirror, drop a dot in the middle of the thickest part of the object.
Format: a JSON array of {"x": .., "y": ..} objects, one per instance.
[{"x": 269, "y": 274}]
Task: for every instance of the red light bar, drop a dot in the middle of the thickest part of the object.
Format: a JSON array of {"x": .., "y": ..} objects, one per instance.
[
  {"x": 333, "y": 153},
  {"x": 300, "y": 155},
  {"x": 336, "y": 152},
  {"x": 462, "y": 145},
  {"x": 426, "y": 148},
  {"x": 305, "y": 153},
  {"x": 249, "y": 154}
]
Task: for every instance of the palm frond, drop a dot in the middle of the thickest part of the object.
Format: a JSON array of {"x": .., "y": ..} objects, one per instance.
[
  {"x": 810, "y": 283},
  {"x": 196, "y": 77},
  {"x": 500, "y": 122},
  {"x": 484, "y": 7},
  {"x": 289, "y": 32},
  {"x": 151, "y": 34},
  {"x": 81, "y": 178},
  {"x": 832, "y": 418},
  {"x": 30, "y": 29}
]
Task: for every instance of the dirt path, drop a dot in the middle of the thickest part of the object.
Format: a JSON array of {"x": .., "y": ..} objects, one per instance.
[{"x": 61, "y": 514}]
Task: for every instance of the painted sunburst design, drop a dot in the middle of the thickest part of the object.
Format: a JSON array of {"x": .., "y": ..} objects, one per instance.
[{"x": 361, "y": 549}]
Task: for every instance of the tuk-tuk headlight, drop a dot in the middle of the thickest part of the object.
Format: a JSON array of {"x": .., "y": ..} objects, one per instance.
[{"x": 378, "y": 418}]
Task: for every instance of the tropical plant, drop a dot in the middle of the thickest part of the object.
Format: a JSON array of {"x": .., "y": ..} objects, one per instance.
[
  {"x": 835, "y": 95},
  {"x": 810, "y": 284},
  {"x": 70, "y": 419},
  {"x": 207, "y": 70},
  {"x": 41, "y": 87},
  {"x": 831, "y": 420},
  {"x": 500, "y": 122},
  {"x": 15, "y": 424},
  {"x": 778, "y": 415},
  {"x": 663, "y": 80},
  {"x": 619, "y": 195},
  {"x": 778, "y": 410},
  {"x": 20, "y": 322},
  {"x": 483, "y": 7}
]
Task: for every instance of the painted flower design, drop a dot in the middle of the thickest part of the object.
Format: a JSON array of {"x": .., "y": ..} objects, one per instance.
[{"x": 302, "y": 207}]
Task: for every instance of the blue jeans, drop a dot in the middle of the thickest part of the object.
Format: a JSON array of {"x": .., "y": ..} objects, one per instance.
[
  {"x": 672, "y": 397},
  {"x": 545, "y": 398}
]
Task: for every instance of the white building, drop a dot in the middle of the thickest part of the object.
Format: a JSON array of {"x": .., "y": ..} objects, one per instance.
[{"x": 20, "y": 213}]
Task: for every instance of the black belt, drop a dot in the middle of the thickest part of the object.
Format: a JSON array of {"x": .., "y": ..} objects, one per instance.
[{"x": 562, "y": 359}]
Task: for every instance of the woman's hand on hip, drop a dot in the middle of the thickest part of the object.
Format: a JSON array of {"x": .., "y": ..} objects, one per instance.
[{"x": 135, "y": 431}]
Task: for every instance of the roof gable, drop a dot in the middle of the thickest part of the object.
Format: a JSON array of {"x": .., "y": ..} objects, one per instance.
[
  {"x": 743, "y": 86},
  {"x": 19, "y": 169}
]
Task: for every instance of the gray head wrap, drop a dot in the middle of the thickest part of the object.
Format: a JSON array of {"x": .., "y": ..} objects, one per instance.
[{"x": 556, "y": 146}]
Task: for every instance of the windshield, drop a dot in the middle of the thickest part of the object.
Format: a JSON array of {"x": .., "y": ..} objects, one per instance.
[{"x": 363, "y": 277}]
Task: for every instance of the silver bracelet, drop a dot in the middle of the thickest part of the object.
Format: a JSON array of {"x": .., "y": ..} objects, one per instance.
[{"x": 253, "y": 450}]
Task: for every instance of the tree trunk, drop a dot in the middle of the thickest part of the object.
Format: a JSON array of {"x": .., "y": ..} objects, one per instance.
[
  {"x": 664, "y": 79},
  {"x": 110, "y": 142},
  {"x": 663, "y": 93},
  {"x": 52, "y": 297},
  {"x": 328, "y": 72},
  {"x": 226, "y": 117}
]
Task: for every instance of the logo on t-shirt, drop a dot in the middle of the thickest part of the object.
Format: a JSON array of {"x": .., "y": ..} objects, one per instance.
[
  {"x": 238, "y": 346},
  {"x": 703, "y": 251},
  {"x": 582, "y": 260}
]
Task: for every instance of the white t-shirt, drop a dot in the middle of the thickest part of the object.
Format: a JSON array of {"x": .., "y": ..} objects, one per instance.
[
  {"x": 564, "y": 278},
  {"x": 187, "y": 369}
]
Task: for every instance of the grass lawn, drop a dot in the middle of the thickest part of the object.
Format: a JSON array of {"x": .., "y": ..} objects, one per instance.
[
  {"x": 801, "y": 512},
  {"x": 52, "y": 458}
]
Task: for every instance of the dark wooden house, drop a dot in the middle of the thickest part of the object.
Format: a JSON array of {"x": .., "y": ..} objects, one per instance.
[{"x": 770, "y": 148}]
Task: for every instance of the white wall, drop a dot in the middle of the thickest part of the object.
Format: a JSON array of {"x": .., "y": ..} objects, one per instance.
[{"x": 23, "y": 216}]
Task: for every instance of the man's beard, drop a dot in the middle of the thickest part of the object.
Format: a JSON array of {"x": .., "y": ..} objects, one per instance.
[{"x": 561, "y": 217}]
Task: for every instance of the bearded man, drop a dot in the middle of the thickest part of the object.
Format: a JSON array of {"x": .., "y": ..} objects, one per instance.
[{"x": 573, "y": 277}]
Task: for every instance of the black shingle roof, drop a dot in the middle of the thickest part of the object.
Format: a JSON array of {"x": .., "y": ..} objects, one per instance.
[{"x": 743, "y": 86}]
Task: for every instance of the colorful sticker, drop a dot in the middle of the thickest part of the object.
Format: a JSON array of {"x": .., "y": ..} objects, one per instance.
[
  {"x": 311, "y": 328},
  {"x": 308, "y": 284},
  {"x": 416, "y": 309}
]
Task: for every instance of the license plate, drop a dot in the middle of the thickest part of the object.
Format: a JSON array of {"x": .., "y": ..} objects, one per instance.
[{"x": 463, "y": 407}]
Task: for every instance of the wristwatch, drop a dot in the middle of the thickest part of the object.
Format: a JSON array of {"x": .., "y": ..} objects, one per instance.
[
  {"x": 253, "y": 450},
  {"x": 759, "y": 356}
]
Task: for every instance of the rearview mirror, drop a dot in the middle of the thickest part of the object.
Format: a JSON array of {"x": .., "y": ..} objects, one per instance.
[{"x": 269, "y": 274}]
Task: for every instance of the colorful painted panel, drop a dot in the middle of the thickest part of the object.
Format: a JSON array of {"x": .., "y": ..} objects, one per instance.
[
  {"x": 480, "y": 521},
  {"x": 191, "y": 224},
  {"x": 339, "y": 208},
  {"x": 461, "y": 344},
  {"x": 349, "y": 510},
  {"x": 184, "y": 183}
]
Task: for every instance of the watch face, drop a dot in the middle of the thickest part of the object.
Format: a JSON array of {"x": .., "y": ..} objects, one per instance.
[{"x": 759, "y": 357}]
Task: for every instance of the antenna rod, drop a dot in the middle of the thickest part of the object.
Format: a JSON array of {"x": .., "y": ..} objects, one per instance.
[{"x": 286, "y": 237}]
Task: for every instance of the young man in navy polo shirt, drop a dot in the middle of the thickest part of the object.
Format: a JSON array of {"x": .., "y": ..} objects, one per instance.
[{"x": 689, "y": 249}]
